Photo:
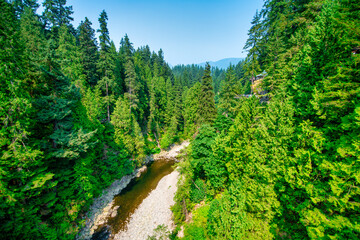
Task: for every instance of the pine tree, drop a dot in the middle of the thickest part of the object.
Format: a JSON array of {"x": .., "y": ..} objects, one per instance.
[
  {"x": 126, "y": 48},
  {"x": 22, "y": 175},
  {"x": 253, "y": 44},
  {"x": 89, "y": 51},
  {"x": 131, "y": 86},
  {"x": 56, "y": 13},
  {"x": 170, "y": 108},
  {"x": 106, "y": 63},
  {"x": 70, "y": 58},
  {"x": 230, "y": 91},
  {"x": 207, "y": 110},
  {"x": 21, "y": 5},
  {"x": 192, "y": 109},
  {"x": 34, "y": 42}
]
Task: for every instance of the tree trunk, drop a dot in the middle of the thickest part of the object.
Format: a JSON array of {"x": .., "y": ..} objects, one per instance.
[{"x": 108, "y": 101}]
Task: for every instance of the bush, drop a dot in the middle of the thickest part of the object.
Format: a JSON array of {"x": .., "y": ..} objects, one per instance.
[{"x": 198, "y": 191}]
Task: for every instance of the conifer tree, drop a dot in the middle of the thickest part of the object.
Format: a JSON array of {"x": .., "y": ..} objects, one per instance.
[
  {"x": 34, "y": 42},
  {"x": 207, "y": 109},
  {"x": 192, "y": 109},
  {"x": 106, "y": 63},
  {"x": 253, "y": 44},
  {"x": 89, "y": 51},
  {"x": 22, "y": 175},
  {"x": 126, "y": 48},
  {"x": 70, "y": 58},
  {"x": 131, "y": 86},
  {"x": 170, "y": 107},
  {"x": 20, "y": 5},
  {"x": 56, "y": 13},
  {"x": 230, "y": 91}
]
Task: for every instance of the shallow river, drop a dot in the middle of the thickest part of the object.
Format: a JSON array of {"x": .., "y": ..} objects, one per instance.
[{"x": 132, "y": 196}]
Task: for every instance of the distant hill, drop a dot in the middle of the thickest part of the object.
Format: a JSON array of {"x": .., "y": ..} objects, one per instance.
[{"x": 223, "y": 63}]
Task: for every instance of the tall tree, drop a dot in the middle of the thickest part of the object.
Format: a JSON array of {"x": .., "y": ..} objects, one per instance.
[
  {"x": 207, "y": 109},
  {"x": 56, "y": 13},
  {"x": 89, "y": 51},
  {"x": 21, "y": 163},
  {"x": 34, "y": 42},
  {"x": 70, "y": 58},
  {"x": 253, "y": 45},
  {"x": 132, "y": 86},
  {"x": 20, "y": 6},
  {"x": 126, "y": 48},
  {"x": 106, "y": 63},
  {"x": 230, "y": 91}
]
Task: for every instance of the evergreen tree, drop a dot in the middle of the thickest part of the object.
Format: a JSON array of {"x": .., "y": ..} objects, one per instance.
[
  {"x": 126, "y": 48},
  {"x": 70, "y": 58},
  {"x": 106, "y": 64},
  {"x": 253, "y": 44},
  {"x": 56, "y": 13},
  {"x": 20, "y": 5},
  {"x": 229, "y": 94},
  {"x": 131, "y": 86},
  {"x": 192, "y": 109},
  {"x": 207, "y": 110},
  {"x": 22, "y": 172},
  {"x": 34, "y": 43},
  {"x": 89, "y": 51}
]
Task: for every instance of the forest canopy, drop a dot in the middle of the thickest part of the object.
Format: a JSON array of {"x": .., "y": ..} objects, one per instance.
[{"x": 274, "y": 139}]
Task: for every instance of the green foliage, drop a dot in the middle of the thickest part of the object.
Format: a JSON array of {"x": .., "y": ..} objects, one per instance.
[
  {"x": 201, "y": 150},
  {"x": 191, "y": 112},
  {"x": 88, "y": 49},
  {"x": 288, "y": 167},
  {"x": 207, "y": 111},
  {"x": 56, "y": 13},
  {"x": 216, "y": 172},
  {"x": 196, "y": 229},
  {"x": 161, "y": 232},
  {"x": 198, "y": 191},
  {"x": 229, "y": 94},
  {"x": 75, "y": 117}
]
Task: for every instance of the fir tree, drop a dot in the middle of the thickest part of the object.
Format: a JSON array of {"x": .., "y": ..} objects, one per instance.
[
  {"x": 207, "y": 110},
  {"x": 229, "y": 93},
  {"x": 131, "y": 86},
  {"x": 106, "y": 63},
  {"x": 89, "y": 53},
  {"x": 56, "y": 13},
  {"x": 70, "y": 58}
]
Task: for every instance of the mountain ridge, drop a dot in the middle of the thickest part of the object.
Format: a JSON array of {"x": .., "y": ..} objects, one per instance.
[{"x": 222, "y": 63}]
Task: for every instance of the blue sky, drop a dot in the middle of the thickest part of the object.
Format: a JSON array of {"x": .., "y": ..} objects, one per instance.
[{"x": 188, "y": 31}]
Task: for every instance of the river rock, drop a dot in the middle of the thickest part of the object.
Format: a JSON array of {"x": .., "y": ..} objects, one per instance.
[
  {"x": 102, "y": 205},
  {"x": 153, "y": 211},
  {"x": 141, "y": 171}
]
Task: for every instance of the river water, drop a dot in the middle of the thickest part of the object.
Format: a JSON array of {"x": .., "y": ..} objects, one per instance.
[{"x": 132, "y": 196}]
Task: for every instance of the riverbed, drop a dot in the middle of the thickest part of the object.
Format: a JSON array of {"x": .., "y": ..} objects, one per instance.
[{"x": 139, "y": 204}]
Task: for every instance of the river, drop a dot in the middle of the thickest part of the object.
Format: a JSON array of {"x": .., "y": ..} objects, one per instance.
[{"x": 143, "y": 204}]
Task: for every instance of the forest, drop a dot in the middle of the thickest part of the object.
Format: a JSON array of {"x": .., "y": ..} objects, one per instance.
[{"x": 274, "y": 153}]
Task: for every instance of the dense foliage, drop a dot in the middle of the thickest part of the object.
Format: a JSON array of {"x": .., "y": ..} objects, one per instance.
[
  {"x": 282, "y": 162},
  {"x": 75, "y": 115},
  {"x": 275, "y": 149}
]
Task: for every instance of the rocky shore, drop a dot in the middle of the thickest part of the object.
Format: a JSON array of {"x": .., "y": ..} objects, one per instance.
[
  {"x": 153, "y": 211},
  {"x": 102, "y": 206}
]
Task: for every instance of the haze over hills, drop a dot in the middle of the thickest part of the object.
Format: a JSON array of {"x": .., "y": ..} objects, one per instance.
[{"x": 223, "y": 63}]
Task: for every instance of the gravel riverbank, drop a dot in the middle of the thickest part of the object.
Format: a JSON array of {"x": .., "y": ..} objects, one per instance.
[
  {"x": 153, "y": 211},
  {"x": 103, "y": 205}
]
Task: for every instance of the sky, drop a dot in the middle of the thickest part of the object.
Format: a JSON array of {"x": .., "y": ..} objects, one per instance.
[{"x": 188, "y": 31}]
